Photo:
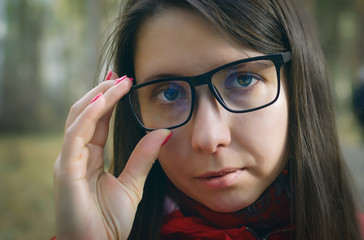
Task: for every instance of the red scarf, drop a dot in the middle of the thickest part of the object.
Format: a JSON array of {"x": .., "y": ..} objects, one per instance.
[{"x": 269, "y": 216}]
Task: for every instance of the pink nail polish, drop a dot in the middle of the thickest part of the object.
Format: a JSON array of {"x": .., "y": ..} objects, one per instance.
[
  {"x": 167, "y": 138},
  {"x": 119, "y": 80},
  {"x": 95, "y": 98},
  {"x": 108, "y": 76}
]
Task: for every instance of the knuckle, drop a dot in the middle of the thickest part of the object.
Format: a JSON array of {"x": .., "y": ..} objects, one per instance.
[
  {"x": 74, "y": 107},
  {"x": 145, "y": 155},
  {"x": 69, "y": 132},
  {"x": 104, "y": 86},
  {"x": 139, "y": 155}
]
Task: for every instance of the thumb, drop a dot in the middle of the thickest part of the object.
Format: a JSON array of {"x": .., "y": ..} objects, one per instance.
[{"x": 142, "y": 159}]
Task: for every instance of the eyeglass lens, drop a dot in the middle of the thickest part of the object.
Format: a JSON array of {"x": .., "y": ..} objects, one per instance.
[
  {"x": 240, "y": 87},
  {"x": 163, "y": 104}
]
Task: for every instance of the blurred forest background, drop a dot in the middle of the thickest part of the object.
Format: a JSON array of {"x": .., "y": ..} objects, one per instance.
[{"x": 49, "y": 57}]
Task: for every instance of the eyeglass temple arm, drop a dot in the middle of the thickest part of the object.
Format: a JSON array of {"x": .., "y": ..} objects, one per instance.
[{"x": 287, "y": 56}]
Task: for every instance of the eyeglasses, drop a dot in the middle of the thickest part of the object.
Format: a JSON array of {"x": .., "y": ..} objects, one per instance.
[{"x": 241, "y": 86}]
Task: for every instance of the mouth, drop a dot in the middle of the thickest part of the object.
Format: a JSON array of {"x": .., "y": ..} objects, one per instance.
[
  {"x": 217, "y": 174},
  {"x": 220, "y": 179}
]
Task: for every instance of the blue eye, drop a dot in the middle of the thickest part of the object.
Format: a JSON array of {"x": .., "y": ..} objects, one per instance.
[
  {"x": 170, "y": 94},
  {"x": 235, "y": 81},
  {"x": 245, "y": 80}
]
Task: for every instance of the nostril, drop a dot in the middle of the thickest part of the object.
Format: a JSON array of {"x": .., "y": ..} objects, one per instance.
[{"x": 210, "y": 140}]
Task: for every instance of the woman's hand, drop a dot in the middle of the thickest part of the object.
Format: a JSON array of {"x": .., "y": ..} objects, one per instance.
[{"x": 91, "y": 203}]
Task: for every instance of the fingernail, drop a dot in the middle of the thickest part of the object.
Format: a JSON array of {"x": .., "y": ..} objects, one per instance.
[
  {"x": 95, "y": 98},
  {"x": 167, "y": 138},
  {"x": 119, "y": 79},
  {"x": 108, "y": 76},
  {"x": 131, "y": 79}
]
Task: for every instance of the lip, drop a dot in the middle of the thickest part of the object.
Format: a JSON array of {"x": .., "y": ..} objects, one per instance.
[{"x": 220, "y": 179}]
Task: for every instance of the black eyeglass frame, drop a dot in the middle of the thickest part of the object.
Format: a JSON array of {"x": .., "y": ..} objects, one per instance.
[{"x": 278, "y": 59}]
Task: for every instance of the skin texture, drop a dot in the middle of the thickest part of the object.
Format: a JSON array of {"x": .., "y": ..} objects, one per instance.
[{"x": 252, "y": 145}]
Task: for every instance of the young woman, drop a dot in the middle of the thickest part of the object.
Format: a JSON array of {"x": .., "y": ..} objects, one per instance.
[{"x": 227, "y": 132}]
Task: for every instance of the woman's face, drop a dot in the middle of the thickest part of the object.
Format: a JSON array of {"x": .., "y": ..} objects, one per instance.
[{"x": 221, "y": 159}]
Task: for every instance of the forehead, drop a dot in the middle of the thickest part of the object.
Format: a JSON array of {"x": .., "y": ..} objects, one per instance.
[{"x": 180, "y": 42}]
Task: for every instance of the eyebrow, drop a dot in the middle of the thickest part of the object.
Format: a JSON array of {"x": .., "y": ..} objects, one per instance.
[
  {"x": 254, "y": 63},
  {"x": 162, "y": 75}
]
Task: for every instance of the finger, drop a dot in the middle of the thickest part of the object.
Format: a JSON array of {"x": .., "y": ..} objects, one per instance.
[
  {"x": 108, "y": 76},
  {"x": 81, "y": 104},
  {"x": 73, "y": 160},
  {"x": 112, "y": 96},
  {"x": 83, "y": 129},
  {"x": 113, "y": 76},
  {"x": 141, "y": 161},
  {"x": 102, "y": 126}
]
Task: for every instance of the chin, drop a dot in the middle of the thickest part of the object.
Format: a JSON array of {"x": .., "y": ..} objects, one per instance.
[{"x": 229, "y": 204}]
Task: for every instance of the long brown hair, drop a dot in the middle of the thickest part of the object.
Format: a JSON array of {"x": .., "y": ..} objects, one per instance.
[{"x": 322, "y": 199}]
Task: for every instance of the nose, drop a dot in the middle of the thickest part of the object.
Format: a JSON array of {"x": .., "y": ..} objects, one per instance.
[{"x": 210, "y": 125}]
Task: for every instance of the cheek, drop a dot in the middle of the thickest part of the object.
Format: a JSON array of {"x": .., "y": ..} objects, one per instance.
[
  {"x": 174, "y": 158},
  {"x": 264, "y": 135}
]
